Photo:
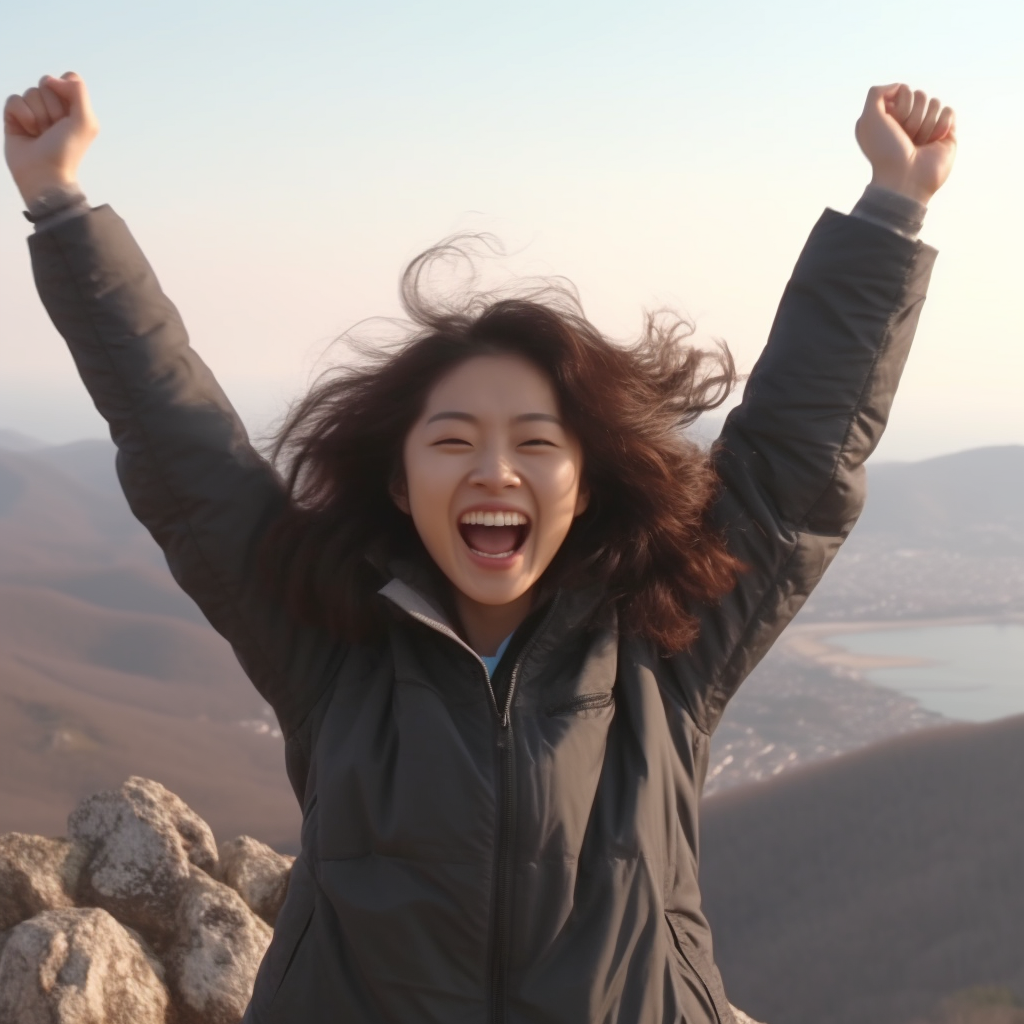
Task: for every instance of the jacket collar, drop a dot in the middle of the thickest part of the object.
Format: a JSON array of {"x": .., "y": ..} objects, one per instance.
[
  {"x": 417, "y": 604},
  {"x": 413, "y": 588}
]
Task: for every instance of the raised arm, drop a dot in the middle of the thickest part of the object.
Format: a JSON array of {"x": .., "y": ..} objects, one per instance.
[
  {"x": 184, "y": 460},
  {"x": 791, "y": 455}
]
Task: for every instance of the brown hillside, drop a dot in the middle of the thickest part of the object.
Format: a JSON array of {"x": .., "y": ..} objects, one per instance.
[
  {"x": 61, "y": 740},
  {"x": 48, "y": 518},
  {"x": 107, "y": 670},
  {"x": 869, "y": 887},
  {"x": 41, "y": 626}
]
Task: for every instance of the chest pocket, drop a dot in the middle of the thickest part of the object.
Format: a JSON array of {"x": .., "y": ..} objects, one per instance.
[{"x": 580, "y": 703}]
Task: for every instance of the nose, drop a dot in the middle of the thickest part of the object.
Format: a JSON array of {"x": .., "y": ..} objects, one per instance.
[{"x": 494, "y": 470}]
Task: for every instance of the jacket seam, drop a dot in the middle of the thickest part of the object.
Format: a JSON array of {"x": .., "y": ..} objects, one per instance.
[
  {"x": 883, "y": 347},
  {"x": 799, "y": 525}
]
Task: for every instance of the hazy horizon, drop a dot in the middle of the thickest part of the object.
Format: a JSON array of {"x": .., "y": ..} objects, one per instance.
[{"x": 16, "y": 432}]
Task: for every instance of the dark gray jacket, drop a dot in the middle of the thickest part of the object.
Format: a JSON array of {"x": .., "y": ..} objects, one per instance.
[{"x": 464, "y": 861}]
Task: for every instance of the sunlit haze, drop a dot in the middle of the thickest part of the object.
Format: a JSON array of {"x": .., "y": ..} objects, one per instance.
[{"x": 279, "y": 164}]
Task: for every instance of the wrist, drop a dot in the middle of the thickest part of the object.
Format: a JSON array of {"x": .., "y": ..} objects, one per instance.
[
  {"x": 44, "y": 200},
  {"x": 902, "y": 184},
  {"x": 37, "y": 190},
  {"x": 891, "y": 210}
]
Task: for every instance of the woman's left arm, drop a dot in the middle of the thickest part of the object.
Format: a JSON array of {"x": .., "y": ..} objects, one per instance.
[{"x": 791, "y": 455}]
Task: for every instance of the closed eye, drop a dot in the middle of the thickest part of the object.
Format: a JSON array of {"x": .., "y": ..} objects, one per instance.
[
  {"x": 539, "y": 440},
  {"x": 450, "y": 440}
]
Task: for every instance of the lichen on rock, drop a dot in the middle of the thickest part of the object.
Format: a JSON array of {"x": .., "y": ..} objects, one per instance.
[
  {"x": 36, "y": 874},
  {"x": 142, "y": 841},
  {"x": 79, "y": 966},
  {"x": 218, "y": 947}
]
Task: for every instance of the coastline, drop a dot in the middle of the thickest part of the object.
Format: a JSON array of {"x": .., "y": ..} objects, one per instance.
[{"x": 811, "y": 640}]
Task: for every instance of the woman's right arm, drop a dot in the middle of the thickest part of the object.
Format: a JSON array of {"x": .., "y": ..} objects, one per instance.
[
  {"x": 184, "y": 460},
  {"x": 791, "y": 456}
]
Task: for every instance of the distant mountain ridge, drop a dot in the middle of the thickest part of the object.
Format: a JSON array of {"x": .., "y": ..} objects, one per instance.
[
  {"x": 973, "y": 496},
  {"x": 972, "y": 499},
  {"x": 13, "y": 441}
]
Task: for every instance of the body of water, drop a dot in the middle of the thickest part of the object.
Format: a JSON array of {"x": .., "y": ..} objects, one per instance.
[{"x": 973, "y": 673}]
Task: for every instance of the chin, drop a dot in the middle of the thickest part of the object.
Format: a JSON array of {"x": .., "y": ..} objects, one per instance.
[
  {"x": 493, "y": 596},
  {"x": 492, "y": 591}
]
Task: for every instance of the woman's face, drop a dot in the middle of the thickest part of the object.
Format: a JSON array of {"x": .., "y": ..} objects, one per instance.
[{"x": 492, "y": 478}]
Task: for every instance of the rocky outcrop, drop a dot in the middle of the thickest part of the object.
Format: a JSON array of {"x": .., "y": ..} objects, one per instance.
[
  {"x": 141, "y": 842},
  {"x": 219, "y": 943},
  {"x": 133, "y": 919},
  {"x": 257, "y": 873},
  {"x": 79, "y": 966},
  {"x": 137, "y": 918},
  {"x": 36, "y": 874}
]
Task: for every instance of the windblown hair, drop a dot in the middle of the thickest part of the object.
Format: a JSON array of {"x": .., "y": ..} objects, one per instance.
[{"x": 644, "y": 537}]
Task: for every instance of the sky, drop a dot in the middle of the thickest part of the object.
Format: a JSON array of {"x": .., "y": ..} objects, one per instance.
[{"x": 279, "y": 164}]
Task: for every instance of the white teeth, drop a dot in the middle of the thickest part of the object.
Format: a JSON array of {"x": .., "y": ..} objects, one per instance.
[
  {"x": 487, "y": 554},
  {"x": 494, "y": 519}
]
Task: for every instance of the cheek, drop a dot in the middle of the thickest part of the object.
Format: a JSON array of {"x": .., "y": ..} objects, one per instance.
[
  {"x": 561, "y": 488},
  {"x": 429, "y": 495},
  {"x": 564, "y": 488}
]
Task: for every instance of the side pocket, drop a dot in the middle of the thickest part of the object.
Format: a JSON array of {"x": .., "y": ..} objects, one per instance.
[
  {"x": 701, "y": 965},
  {"x": 292, "y": 924}
]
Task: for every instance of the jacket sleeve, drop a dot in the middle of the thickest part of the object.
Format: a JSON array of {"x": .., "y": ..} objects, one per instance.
[
  {"x": 790, "y": 456},
  {"x": 184, "y": 460}
]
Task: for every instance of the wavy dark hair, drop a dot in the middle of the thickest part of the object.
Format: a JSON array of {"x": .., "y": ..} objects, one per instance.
[{"x": 644, "y": 536}]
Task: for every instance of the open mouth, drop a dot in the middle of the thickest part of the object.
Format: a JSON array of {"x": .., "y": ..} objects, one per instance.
[{"x": 494, "y": 534}]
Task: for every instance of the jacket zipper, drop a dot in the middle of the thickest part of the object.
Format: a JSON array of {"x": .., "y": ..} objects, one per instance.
[{"x": 506, "y": 750}]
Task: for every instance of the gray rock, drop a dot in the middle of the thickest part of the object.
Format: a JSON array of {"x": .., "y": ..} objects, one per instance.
[
  {"x": 741, "y": 1017},
  {"x": 257, "y": 873},
  {"x": 79, "y": 967},
  {"x": 142, "y": 840},
  {"x": 212, "y": 964},
  {"x": 36, "y": 874}
]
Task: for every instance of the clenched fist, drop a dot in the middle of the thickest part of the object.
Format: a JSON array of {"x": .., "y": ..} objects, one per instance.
[
  {"x": 46, "y": 133},
  {"x": 909, "y": 139}
]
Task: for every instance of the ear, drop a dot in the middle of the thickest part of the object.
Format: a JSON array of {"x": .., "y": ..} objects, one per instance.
[
  {"x": 400, "y": 493},
  {"x": 582, "y": 499}
]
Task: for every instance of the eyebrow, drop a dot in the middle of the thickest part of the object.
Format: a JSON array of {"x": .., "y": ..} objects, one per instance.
[{"x": 525, "y": 417}]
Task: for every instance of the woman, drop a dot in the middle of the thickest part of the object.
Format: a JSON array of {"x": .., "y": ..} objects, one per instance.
[{"x": 500, "y": 604}]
